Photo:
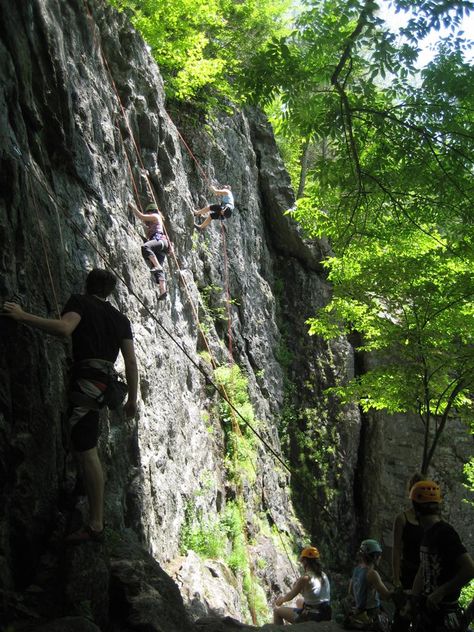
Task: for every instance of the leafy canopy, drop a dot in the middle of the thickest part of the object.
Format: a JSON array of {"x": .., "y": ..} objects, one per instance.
[
  {"x": 203, "y": 47},
  {"x": 390, "y": 183}
]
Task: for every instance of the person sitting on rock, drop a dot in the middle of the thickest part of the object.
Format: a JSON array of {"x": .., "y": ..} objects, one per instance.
[
  {"x": 157, "y": 245},
  {"x": 217, "y": 211},
  {"x": 314, "y": 588},
  {"x": 366, "y": 587}
]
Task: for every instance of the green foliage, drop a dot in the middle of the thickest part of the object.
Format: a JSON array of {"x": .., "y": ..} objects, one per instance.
[
  {"x": 201, "y": 534},
  {"x": 213, "y": 300},
  {"x": 467, "y": 594},
  {"x": 203, "y": 48},
  {"x": 232, "y": 520},
  {"x": 238, "y": 560},
  {"x": 390, "y": 183},
  {"x": 206, "y": 356},
  {"x": 240, "y": 440},
  {"x": 224, "y": 538},
  {"x": 312, "y": 440},
  {"x": 283, "y": 354}
]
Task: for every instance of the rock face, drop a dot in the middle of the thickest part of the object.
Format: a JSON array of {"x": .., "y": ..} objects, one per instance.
[{"x": 83, "y": 130}]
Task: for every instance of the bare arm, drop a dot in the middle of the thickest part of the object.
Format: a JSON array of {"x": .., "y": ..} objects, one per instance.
[
  {"x": 220, "y": 191},
  {"x": 61, "y": 328},
  {"x": 297, "y": 588},
  {"x": 398, "y": 525},
  {"x": 373, "y": 578},
  {"x": 465, "y": 572},
  {"x": 131, "y": 373},
  {"x": 150, "y": 218}
]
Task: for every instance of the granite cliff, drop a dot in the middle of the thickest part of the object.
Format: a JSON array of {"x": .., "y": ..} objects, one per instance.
[{"x": 84, "y": 129}]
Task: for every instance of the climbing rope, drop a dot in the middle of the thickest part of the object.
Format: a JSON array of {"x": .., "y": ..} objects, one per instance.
[
  {"x": 203, "y": 173},
  {"x": 218, "y": 388},
  {"x": 227, "y": 294}
]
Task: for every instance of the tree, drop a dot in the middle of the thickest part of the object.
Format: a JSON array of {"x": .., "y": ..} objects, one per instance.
[
  {"x": 204, "y": 46},
  {"x": 393, "y": 192}
]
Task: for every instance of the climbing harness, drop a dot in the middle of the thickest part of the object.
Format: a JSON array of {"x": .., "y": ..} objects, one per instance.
[{"x": 218, "y": 388}]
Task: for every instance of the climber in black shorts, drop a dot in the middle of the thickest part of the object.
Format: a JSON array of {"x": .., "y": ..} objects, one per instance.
[{"x": 217, "y": 211}]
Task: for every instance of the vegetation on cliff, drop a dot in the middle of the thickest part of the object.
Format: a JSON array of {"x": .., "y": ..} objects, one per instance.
[
  {"x": 205, "y": 48},
  {"x": 381, "y": 154},
  {"x": 382, "y": 157}
]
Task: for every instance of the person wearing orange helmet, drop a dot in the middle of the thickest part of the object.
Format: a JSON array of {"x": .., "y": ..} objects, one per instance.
[
  {"x": 407, "y": 534},
  {"x": 314, "y": 588},
  {"x": 445, "y": 565}
]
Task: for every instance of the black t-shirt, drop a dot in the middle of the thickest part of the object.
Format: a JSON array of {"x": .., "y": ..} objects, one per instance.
[
  {"x": 439, "y": 550},
  {"x": 100, "y": 331},
  {"x": 412, "y": 535}
]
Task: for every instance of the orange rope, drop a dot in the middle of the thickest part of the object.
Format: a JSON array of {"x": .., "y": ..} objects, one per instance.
[
  {"x": 189, "y": 151},
  {"x": 150, "y": 188},
  {"x": 227, "y": 293}
]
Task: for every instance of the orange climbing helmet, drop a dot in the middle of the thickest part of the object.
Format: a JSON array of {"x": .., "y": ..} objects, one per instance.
[
  {"x": 425, "y": 492},
  {"x": 311, "y": 552}
]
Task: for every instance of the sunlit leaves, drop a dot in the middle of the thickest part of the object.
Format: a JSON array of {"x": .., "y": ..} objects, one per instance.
[{"x": 204, "y": 47}]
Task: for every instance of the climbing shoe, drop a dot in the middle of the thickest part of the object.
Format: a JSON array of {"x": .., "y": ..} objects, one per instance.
[
  {"x": 85, "y": 534},
  {"x": 163, "y": 296}
]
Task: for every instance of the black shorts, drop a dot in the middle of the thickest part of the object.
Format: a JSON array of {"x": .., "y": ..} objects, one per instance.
[
  {"x": 85, "y": 432},
  {"x": 220, "y": 211},
  {"x": 323, "y": 612}
]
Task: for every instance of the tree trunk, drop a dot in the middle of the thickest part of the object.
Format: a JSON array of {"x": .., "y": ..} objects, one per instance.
[{"x": 304, "y": 160}]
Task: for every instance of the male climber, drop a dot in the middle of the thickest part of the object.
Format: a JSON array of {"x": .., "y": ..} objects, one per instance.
[
  {"x": 445, "y": 565},
  {"x": 217, "y": 211},
  {"x": 98, "y": 332}
]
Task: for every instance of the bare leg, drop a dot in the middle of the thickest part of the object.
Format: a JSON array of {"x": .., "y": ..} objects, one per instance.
[
  {"x": 154, "y": 262},
  {"x": 282, "y": 614},
  {"x": 94, "y": 482},
  {"x": 205, "y": 223},
  {"x": 202, "y": 211}
]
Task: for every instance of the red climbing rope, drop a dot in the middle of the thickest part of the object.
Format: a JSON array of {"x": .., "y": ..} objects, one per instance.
[
  {"x": 227, "y": 294},
  {"x": 189, "y": 151}
]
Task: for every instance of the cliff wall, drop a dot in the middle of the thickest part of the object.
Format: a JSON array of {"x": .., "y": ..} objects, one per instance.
[{"x": 84, "y": 129}]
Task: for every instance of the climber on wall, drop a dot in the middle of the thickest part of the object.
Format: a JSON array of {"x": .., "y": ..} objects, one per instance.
[
  {"x": 445, "y": 565},
  {"x": 157, "y": 245},
  {"x": 217, "y": 211},
  {"x": 314, "y": 587},
  {"x": 98, "y": 332}
]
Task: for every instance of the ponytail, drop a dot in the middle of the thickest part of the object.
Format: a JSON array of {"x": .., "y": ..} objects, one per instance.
[{"x": 314, "y": 565}]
